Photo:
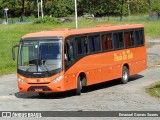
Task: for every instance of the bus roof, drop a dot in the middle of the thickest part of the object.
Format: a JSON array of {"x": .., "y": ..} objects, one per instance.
[{"x": 64, "y": 32}]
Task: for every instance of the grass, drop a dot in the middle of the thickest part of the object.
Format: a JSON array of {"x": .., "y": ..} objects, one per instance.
[
  {"x": 154, "y": 89},
  {"x": 11, "y": 34}
]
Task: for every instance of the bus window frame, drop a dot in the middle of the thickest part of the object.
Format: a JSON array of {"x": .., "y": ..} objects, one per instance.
[
  {"x": 100, "y": 43},
  {"x": 118, "y": 31},
  {"x": 70, "y": 39},
  {"x": 105, "y": 33},
  {"x": 107, "y": 50},
  {"x": 138, "y": 29},
  {"x": 76, "y": 46},
  {"x": 130, "y": 30}
]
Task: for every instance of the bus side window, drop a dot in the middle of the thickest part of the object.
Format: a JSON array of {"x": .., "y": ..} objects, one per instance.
[
  {"x": 127, "y": 39},
  {"x": 69, "y": 50},
  {"x": 115, "y": 39},
  {"x": 82, "y": 46},
  {"x": 121, "y": 42},
  {"x": 97, "y": 43},
  {"x": 91, "y": 44},
  {"x": 141, "y": 34},
  {"x": 109, "y": 41},
  {"x": 85, "y": 44},
  {"x": 94, "y": 43},
  {"x": 118, "y": 40},
  {"x": 106, "y": 42},
  {"x": 139, "y": 37},
  {"x": 131, "y": 37}
]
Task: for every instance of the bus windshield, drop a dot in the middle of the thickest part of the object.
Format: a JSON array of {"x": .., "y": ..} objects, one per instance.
[{"x": 40, "y": 56}]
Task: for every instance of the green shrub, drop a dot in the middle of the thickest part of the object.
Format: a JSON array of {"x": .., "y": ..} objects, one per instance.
[
  {"x": 47, "y": 20},
  {"x": 154, "y": 89}
]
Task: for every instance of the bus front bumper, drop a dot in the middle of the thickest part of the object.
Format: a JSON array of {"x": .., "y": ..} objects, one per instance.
[{"x": 40, "y": 88}]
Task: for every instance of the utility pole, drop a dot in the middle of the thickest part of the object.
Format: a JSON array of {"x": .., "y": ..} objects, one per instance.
[
  {"x": 129, "y": 12},
  {"x": 6, "y": 15},
  {"x": 42, "y": 8},
  {"x": 76, "y": 14},
  {"x": 38, "y": 7}
]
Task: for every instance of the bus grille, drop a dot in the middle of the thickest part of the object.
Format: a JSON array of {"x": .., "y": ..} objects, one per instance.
[{"x": 33, "y": 88}]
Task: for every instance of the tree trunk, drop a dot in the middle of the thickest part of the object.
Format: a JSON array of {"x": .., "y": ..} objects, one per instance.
[
  {"x": 44, "y": 7},
  {"x": 23, "y": 12},
  {"x": 121, "y": 13},
  {"x": 108, "y": 8}
]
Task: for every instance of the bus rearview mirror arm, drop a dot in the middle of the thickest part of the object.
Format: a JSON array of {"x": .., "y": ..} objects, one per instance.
[{"x": 13, "y": 53}]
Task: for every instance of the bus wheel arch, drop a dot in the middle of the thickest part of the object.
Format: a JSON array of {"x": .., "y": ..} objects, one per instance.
[
  {"x": 81, "y": 82},
  {"x": 125, "y": 74}
]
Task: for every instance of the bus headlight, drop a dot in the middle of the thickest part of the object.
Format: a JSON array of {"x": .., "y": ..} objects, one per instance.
[
  {"x": 59, "y": 78},
  {"x": 21, "y": 80}
]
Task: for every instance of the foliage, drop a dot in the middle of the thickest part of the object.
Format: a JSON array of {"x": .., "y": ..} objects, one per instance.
[
  {"x": 60, "y": 8},
  {"x": 154, "y": 89},
  {"x": 13, "y": 5},
  {"x": 64, "y": 8},
  {"x": 48, "y": 20},
  {"x": 155, "y": 6}
]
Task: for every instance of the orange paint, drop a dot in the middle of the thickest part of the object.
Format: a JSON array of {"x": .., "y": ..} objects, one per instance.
[{"x": 102, "y": 66}]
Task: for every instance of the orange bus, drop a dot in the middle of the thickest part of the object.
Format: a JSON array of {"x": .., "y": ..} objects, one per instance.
[{"x": 65, "y": 59}]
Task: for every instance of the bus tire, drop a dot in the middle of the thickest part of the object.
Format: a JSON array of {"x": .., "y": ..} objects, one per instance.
[
  {"x": 79, "y": 86},
  {"x": 125, "y": 75}
]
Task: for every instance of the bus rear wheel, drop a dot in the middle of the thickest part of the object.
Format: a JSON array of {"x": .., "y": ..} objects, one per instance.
[
  {"x": 79, "y": 86},
  {"x": 125, "y": 75}
]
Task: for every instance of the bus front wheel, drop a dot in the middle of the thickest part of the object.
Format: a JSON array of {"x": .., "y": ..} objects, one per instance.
[
  {"x": 79, "y": 86},
  {"x": 125, "y": 75}
]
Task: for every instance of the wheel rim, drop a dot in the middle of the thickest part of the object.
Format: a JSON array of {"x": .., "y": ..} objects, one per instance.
[{"x": 125, "y": 75}]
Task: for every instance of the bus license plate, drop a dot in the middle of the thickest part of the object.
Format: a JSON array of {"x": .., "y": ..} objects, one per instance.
[{"x": 38, "y": 89}]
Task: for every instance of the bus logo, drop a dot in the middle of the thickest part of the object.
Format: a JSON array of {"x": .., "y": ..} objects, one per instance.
[{"x": 126, "y": 55}]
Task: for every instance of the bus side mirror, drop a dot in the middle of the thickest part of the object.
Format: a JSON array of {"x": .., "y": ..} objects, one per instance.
[{"x": 13, "y": 53}]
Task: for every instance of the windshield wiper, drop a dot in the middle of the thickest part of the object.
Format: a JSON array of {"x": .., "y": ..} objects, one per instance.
[
  {"x": 30, "y": 66},
  {"x": 28, "y": 69},
  {"x": 47, "y": 70}
]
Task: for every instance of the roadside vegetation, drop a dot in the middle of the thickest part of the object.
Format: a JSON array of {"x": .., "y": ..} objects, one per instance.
[
  {"x": 154, "y": 89},
  {"x": 10, "y": 34}
]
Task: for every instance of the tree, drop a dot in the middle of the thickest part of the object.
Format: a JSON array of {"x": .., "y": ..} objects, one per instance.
[
  {"x": 64, "y": 8},
  {"x": 61, "y": 8},
  {"x": 121, "y": 11},
  {"x": 14, "y": 7},
  {"x": 23, "y": 10}
]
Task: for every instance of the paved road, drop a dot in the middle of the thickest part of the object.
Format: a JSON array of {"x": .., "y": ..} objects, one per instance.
[{"x": 107, "y": 96}]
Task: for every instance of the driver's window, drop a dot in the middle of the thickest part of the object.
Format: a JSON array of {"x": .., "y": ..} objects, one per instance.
[{"x": 69, "y": 50}]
